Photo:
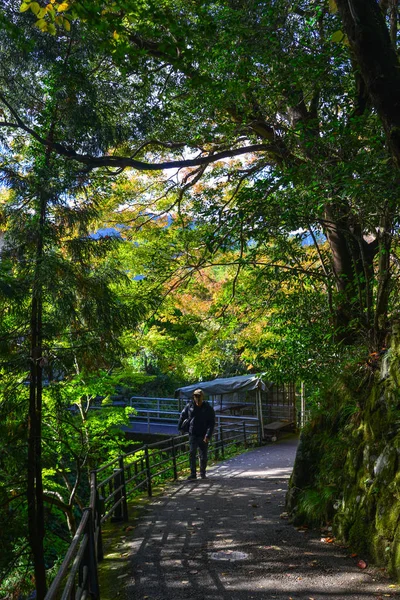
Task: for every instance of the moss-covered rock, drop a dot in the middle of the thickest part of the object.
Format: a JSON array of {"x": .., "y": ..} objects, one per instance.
[{"x": 348, "y": 464}]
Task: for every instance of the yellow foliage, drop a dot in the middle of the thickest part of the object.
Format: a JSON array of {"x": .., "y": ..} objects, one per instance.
[
  {"x": 333, "y": 6},
  {"x": 63, "y": 6},
  {"x": 41, "y": 24},
  {"x": 35, "y": 7}
]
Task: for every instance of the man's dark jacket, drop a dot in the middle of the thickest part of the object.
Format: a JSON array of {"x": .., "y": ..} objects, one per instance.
[{"x": 202, "y": 419}]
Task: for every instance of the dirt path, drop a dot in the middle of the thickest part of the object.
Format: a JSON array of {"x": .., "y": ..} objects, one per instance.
[{"x": 224, "y": 539}]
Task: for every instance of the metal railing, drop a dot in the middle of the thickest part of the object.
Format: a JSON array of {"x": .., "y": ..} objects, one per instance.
[
  {"x": 170, "y": 417},
  {"x": 110, "y": 487},
  {"x": 162, "y": 405}
]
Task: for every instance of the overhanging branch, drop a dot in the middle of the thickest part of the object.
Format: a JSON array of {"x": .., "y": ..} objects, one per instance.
[{"x": 124, "y": 162}]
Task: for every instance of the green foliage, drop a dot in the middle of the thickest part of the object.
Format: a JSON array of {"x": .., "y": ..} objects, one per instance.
[
  {"x": 212, "y": 258},
  {"x": 315, "y": 505}
]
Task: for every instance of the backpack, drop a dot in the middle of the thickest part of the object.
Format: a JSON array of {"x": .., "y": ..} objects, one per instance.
[
  {"x": 186, "y": 422},
  {"x": 185, "y": 426}
]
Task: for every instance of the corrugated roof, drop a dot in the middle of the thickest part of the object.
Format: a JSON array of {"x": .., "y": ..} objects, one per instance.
[{"x": 226, "y": 385}]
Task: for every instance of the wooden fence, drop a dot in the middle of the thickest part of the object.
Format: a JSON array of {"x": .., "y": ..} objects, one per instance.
[{"x": 110, "y": 487}]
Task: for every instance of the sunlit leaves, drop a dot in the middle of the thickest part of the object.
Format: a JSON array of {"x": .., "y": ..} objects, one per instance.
[
  {"x": 333, "y": 6},
  {"x": 49, "y": 16}
]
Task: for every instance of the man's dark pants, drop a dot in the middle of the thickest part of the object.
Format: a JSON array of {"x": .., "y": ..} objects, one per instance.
[{"x": 195, "y": 442}]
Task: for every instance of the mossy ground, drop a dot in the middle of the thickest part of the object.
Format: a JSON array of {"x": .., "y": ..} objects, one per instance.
[{"x": 114, "y": 568}]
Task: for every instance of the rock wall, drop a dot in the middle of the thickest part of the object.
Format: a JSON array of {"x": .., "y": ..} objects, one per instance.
[{"x": 347, "y": 469}]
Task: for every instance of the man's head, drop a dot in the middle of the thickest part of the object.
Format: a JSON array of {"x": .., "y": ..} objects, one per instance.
[{"x": 198, "y": 397}]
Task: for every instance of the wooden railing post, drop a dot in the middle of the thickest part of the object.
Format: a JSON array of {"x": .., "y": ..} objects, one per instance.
[
  {"x": 148, "y": 471},
  {"x": 174, "y": 458},
  {"x": 244, "y": 434}
]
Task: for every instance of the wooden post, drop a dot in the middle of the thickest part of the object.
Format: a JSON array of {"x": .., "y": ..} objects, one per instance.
[{"x": 244, "y": 433}]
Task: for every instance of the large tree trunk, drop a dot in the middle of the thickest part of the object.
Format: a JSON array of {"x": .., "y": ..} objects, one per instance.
[
  {"x": 35, "y": 482},
  {"x": 35, "y": 485},
  {"x": 352, "y": 265},
  {"x": 369, "y": 39},
  {"x": 375, "y": 51}
]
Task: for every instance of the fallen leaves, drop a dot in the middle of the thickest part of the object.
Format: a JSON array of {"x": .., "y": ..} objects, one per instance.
[
  {"x": 313, "y": 563},
  {"x": 362, "y": 564}
]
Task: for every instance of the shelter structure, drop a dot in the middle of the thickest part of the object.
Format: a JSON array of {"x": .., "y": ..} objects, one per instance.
[{"x": 249, "y": 395}]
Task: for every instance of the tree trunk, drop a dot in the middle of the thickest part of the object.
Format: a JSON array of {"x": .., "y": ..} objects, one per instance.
[
  {"x": 369, "y": 38},
  {"x": 352, "y": 265},
  {"x": 35, "y": 483},
  {"x": 381, "y": 325}
]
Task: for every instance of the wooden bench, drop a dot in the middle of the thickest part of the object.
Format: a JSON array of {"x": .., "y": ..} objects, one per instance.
[
  {"x": 273, "y": 429},
  {"x": 233, "y": 409}
]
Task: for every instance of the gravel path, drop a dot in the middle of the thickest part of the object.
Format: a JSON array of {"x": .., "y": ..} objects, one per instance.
[{"x": 224, "y": 538}]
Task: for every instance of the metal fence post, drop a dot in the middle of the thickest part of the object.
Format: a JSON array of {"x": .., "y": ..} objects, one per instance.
[
  {"x": 221, "y": 439},
  {"x": 148, "y": 471},
  {"x": 124, "y": 502},
  {"x": 244, "y": 434},
  {"x": 174, "y": 458},
  {"x": 117, "y": 516},
  {"x": 91, "y": 561},
  {"x": 216, "y": 445},
  {"x": 98, "y": 510}
]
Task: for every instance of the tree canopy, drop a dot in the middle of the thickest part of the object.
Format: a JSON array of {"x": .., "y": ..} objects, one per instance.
[{"x": 243, "y": 155}]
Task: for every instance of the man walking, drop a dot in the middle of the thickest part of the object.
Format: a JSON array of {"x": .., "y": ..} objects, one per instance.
[{"x": 201, "y": 418}]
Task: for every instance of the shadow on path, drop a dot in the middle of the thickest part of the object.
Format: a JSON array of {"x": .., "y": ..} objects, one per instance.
[{"x": 223, "y": 539}]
